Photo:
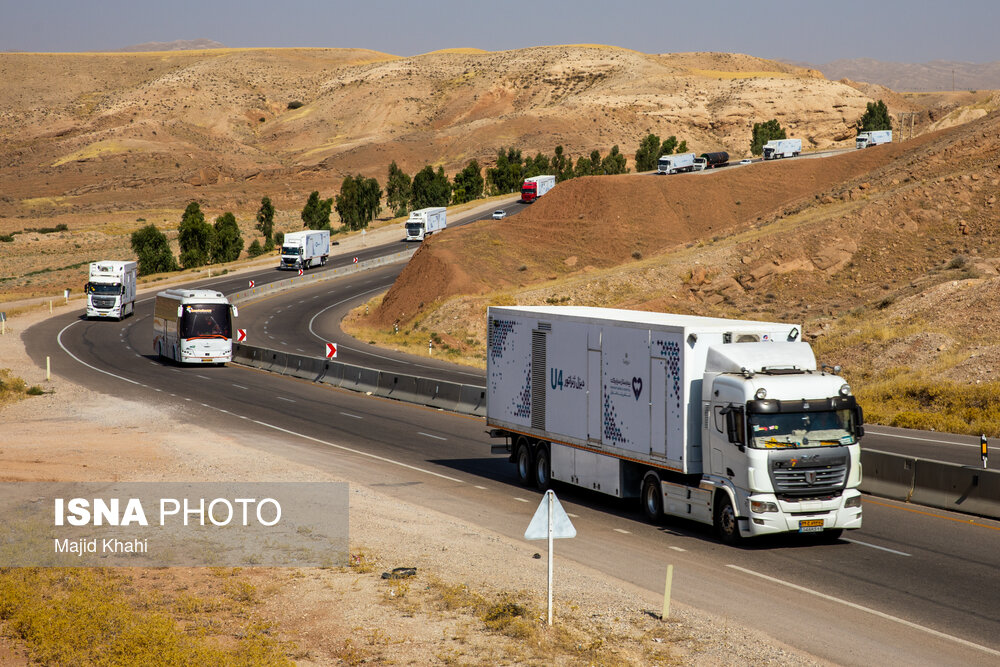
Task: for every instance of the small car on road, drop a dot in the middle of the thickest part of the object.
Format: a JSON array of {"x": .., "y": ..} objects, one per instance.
[
  {"x": 499, "y": 214},
  {"x": 746, "y": 161}
]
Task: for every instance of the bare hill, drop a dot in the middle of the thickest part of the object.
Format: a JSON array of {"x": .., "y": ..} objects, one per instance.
[
  {"x": 917, "y": 77},
  {"x": 97, "y": 133}
]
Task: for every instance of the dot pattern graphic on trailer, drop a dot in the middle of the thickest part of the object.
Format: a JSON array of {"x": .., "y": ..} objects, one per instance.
[
  {"x": 671, "y": 351},
  {"x": 612, "y": 432}
]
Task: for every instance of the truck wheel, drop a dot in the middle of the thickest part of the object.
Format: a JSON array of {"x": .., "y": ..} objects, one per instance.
[
  {"x": 652, "y": 499},
  {"x": 525, "y": 471},
  {"x": 726, "y": 523},
  {"x": 543, "y": 469}
]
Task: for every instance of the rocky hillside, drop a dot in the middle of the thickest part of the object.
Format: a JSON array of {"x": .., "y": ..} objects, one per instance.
[{"x": 100, "y": 133}]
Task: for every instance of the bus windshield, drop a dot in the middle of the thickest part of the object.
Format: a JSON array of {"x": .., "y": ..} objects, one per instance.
[
  {"x": 208, "y": 320},
  {"x": 782, "y": 430}
]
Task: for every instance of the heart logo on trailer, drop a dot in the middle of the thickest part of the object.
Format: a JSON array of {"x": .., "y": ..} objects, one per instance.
[{"x": 637, "y": 387}]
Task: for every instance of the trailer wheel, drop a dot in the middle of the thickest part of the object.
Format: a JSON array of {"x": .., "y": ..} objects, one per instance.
[
  {"x": 543, "y": 468},
  {"x": 652, "y": 499},
  {"x": 726, "y": 523},
  {"x": 524, "y": 464}
]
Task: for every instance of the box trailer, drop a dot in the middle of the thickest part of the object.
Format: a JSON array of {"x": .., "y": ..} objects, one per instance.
[
  {"x": 781, "y": 148},
  {"x": 873, "y": 138},
  {"x": 305, "y": 249},
  {"x": 111, "y": 289},
  {"x": 424, "y": 222},
  {"x": 535, "y": 187},
  {"x": 674, "y": 164},
  {"x": 726, "y": 422}
]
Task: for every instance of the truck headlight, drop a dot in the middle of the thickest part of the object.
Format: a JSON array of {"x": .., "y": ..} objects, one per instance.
[
  {"x": 853, "y": 501},
  {"x": 761, "y": 506},
  {"x": 845, "y": 390}
]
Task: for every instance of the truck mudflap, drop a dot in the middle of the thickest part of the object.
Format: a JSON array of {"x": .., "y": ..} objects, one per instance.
[{"x": 806, "y": 516}]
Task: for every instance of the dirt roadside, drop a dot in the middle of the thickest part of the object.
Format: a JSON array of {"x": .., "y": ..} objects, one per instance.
[{"x": 350, "y": 615}]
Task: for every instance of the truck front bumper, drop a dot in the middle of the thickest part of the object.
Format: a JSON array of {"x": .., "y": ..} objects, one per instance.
[{"x": 807, "y": 516}]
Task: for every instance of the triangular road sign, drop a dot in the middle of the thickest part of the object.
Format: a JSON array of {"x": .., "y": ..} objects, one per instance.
[{"x": 562, "y": 527}]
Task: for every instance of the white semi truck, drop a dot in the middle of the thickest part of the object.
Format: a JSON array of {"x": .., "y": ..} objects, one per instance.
[
  {"x": 536, "y": 186},
  {"x": 305, "y": 249},
  {"x": 873, "y": 138},
  {"x": 425, "y": 221},
  {"x": 725, "y": 422},
  {"x": 780, "y": 148},
  {"x": 674, "y": 164},
  {"x": 111, "y": 289}
]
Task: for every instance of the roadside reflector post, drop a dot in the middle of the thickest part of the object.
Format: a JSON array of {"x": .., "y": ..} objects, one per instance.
[
  {"x": 430, "y": 347},
  {"x": 50, "y": 305},
  {"x": 666, "y": 593},
  {"x": 48, "y": 370},
  {"x": 984, "y": 451},
  {"x": 66, "y": 294}
]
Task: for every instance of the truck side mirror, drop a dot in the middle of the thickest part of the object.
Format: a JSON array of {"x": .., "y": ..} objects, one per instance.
[
  {"x": 236, "y": 311},
  {"x": 859, "y": 421},
  {"x": 180, "y": 311}
]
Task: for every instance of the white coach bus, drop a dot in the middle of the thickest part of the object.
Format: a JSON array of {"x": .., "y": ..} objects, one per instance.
[{"x": 193, "y": 326}]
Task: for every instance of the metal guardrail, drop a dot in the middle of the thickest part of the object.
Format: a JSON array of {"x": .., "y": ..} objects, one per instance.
[{"x": 947, "y": 486}]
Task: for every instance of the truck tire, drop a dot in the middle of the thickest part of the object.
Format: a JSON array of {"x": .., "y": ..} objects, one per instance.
[
  {"x": 726, "y": 524},
  {"x": 524, "y": 462},
  {"x": 652, "y": 499},
  {"x": 543, "y": 468}
]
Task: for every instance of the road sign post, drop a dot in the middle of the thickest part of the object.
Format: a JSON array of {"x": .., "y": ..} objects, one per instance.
[
  {"x": 331, "y": 350},
  {"x": 550, "y": 522},
  {"x": 251, "y": 284},
  {"x": 241, "y": 335},
  {"x": 984, "y": 451}
]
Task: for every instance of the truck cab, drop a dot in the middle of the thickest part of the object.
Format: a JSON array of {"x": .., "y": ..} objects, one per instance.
[{"x": 783, "y": 441}]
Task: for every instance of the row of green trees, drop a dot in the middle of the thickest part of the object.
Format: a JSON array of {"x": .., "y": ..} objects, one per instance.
[{"x": 200, "y": 242}]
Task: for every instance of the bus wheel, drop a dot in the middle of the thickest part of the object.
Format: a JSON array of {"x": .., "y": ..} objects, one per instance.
[
  {"x": 726, "y": 523},
  {"x": 543, "y": 468},
  {"x": 652, "y": 499},
  {"x": 524, "y": 464}
]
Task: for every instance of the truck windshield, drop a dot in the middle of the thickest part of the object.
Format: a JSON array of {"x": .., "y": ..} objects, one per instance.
[
  {"x": 783, "y": 430},
  {"x": 104, "y": 288},
  {"x": 209, "y": 320},
  {"x": 414, "y": 227},
  {"x": 291, "y": 250}
]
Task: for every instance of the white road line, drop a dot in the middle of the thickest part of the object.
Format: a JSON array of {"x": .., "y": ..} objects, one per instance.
[
  {"x": 284, "y": 343},
  {"x": 875, "y": 546},
  {"x": 481, "y": 488},
  {"x": 521, "y": 500},
  {"x": 623, "y": 532},
  {"x": 436, "y": 437},
  {"x": 348, "y": 414},
  {"x": 238, "y": 386},
  {"x": 677, "y": 549},
  {"x": 868, "y": 610},
  {"x": 203, "y": 377},
  {"x": 282, "y": 398},
  {"x": 299, "y": 349},
  {"x": 913, "y": 437},
  {"x": 575, "y": 516}
]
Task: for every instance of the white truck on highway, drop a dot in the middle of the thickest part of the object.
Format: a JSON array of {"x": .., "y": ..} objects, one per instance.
[
  {"x": 536, "y": 186},
  {"x": 781, "y": 148},
  {"x": 305, "y": 249},
  {"x": 873, "y": 138},
  {"x": 424, "y": 222},
  {"x": 674, "y": 164},
  {"x": 725, "y": 422},
  {"x": 111, "y": 289}
]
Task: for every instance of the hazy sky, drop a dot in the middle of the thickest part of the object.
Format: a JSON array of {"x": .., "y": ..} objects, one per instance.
[{"x": 813, "y": 31}]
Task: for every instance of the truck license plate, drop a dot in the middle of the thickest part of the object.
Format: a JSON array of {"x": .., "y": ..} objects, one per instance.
[{"x": 811, "y": 526}]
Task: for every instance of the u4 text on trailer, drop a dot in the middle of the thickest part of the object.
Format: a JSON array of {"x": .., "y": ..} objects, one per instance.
[{"x": 725, "y": 422}]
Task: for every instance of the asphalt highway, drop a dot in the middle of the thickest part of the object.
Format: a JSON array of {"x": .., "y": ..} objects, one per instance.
[{"x": 913, "y": 586}]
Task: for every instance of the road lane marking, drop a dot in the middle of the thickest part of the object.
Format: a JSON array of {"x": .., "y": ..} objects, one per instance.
[
  {"x": 913, "y": 437},
  {"x": 203, "y": 377},
  {"x": 677, "y": 549},
  {"x": 282, "y": 398},
  {"x": 521, "y": 500},
  {"x": 348, "y": 414},
  {"x": 875, "y": 546},
  {"x": 238, "y": 386},
  {"x": 966, "y": 522},
  {"x": 436, "y": 437},
  {"x": 623, "y": 532},
  {"x": 575, "y": 516},
  {"x": 481, "y": 488},
  {"x": 868, "y": 610}
]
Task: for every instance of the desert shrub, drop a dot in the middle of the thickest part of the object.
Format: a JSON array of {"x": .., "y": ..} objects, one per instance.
[
  {"x": 295, "y": 104},
  {"x": 255, "y": 249},
  {"x": 6, "y": 238}
]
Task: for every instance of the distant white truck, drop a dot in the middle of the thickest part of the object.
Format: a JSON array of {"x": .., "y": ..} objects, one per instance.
[
  {"x": 873, "y": 138},
  {"x": 425, "y": 221},
  {"x": 536, "y": 186},
  {"x": 111, "y": 289},
  {"x": 725, "y": 422},
  {"x": 781, "y": 148},
  {"x": 305, "y": 249},
  {"x": 675, "y": 164}
]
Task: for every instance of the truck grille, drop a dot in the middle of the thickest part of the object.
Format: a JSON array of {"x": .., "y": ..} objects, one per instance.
[
  {"x": 103, "y": 301},
  {"x": 804, "y": 474}
]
